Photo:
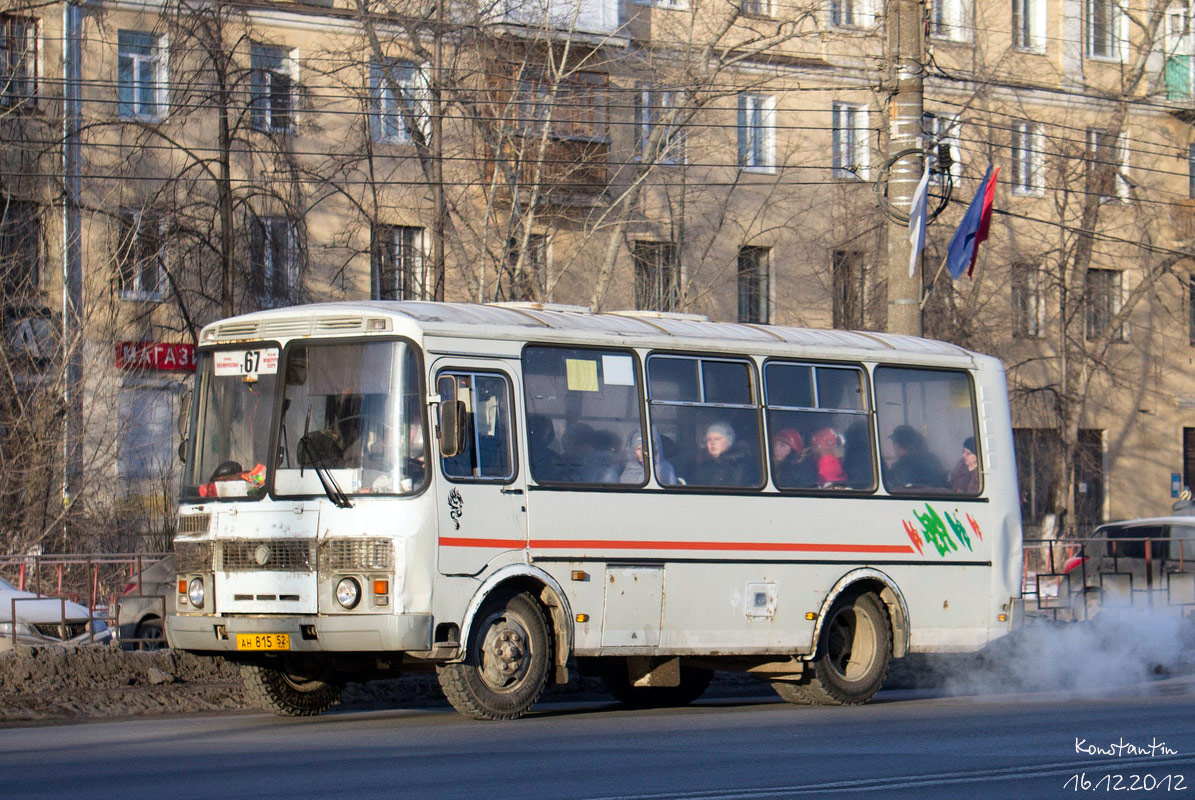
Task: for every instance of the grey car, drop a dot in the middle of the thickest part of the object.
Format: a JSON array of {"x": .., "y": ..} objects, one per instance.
[
  {"x": 140, "y": 608},
  {"x": 32, "y": 619}
]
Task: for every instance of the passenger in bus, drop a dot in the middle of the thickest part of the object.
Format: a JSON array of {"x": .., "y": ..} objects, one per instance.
[
  {"x": 790, "y": 467},
  {"x": 827, "y": 453},
  {"x": 591, "y": 456},
  {"x": 633, "y": 472},
  {"x": 964, "y": 478},
  {"x": 856, "y": 457},
  {"x": 914, "y": 465},
  {"x": 541, "y": 436},
  {"x": 721, "y": 463}
]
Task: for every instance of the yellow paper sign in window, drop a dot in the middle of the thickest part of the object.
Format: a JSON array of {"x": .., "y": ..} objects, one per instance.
[{"x": 582, "y": 375}]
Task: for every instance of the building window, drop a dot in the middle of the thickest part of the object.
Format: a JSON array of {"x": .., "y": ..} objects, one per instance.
[
  {"x": 272, "y": 88},
  {"x": 757, "y": 131},
  {"x": 1039, "y": 457},
  {"x": 399, "y": 266},
  {"x": 851, "y": 14},
  {"x": 529, "y": 282},
  {"x": 275, "y": 261},
  {"x": 850, "y": 141},
  {"x": 754, "y": 268},
  {"x": 139, "y": 256},
  {"x": 1029, "y": 25},
  {"x": 660, "y": 137},
  {"x": 18, "y": 61},
  {"x": 657, "y": 276},
  {"x": 674, "y": 4},
  {"x": 1103, "y": 22},
  {"x": 141, "y": 76},
  {"x": 20, "y": 241},
  {"x": 1191, "y": 171},
  {"x": 941, "y": 143},
  {"x": 1191, "y": 310},
  {"x": 847, "y": 268},
  {"x": 1027, "y": 143},
  {"x": 757, "y": 8},
  {"x": 1104, "y": 149},
  {"x": 948, "y": 20},
  {"x": 1026, "y": 301},
  {"x": 146, "y": 437},
  {"x": 1103, "y": 298},
  {"x": 1178, "y": 52},
  {"x": 399, "y": 103}
]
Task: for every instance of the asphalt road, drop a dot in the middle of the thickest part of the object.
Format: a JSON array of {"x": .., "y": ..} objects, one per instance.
[{"x": 901, "y": 745}]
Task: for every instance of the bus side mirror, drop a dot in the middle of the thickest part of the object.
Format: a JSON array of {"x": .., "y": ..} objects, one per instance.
[{"x": 451, "y": 417}]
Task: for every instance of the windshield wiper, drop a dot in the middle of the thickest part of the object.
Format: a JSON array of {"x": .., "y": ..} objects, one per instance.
[{"x": 331, "y": 488}]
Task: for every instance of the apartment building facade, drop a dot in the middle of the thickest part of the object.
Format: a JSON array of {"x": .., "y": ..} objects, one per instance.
[{"x": 677, "y": 156}]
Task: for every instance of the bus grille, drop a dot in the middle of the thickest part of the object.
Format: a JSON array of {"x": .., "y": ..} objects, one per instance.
[
  {"x": 194, "y": 523},
  {"x": 353, "y": 555},
  {"x": 276, "y": 555},
  {"x": 192, "y": 556}
]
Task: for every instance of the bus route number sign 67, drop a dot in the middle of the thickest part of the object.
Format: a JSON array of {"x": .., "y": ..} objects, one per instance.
[{"x": 245, "y": 362}]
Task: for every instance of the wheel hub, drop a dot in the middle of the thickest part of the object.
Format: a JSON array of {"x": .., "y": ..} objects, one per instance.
[{"x": 505, "y": 654}]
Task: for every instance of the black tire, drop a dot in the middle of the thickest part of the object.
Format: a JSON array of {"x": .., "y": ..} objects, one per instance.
[
  {"x": 508, "y": 659},
  {"x": 291, "y": 687},
  {"x": 693, "y": 683},
  {"x": 149, "y": 634},
  {"x": 853, "y": 653}
]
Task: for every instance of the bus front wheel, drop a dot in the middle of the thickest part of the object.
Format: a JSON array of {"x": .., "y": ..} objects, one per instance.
[
  {"x": 853, "y": 652},
  {"x": 507, "y": 661},
  {"x": 291, "y": 687}
]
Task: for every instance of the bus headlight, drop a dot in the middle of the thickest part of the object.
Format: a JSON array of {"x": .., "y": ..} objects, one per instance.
[
  {"x": 195, "y": 592},
  {"x": 348, "y": 592}
]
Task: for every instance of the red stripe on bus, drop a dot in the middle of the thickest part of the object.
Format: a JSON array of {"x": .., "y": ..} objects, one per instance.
[
  {"x": 783, "y": 547},
  {"x": 456, "y": 541}
]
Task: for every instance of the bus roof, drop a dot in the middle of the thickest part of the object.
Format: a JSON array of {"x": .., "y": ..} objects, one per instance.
[{"x": 546, "y": 322}]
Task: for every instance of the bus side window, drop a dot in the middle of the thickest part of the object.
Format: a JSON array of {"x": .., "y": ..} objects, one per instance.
[
  {"x": 486, "y": 454},
  {"x": 818, "y": 431},
  {"x": 584, "y": 423},
  {"x": 928, "y": 437},
  {"x": 705, "y": 409}
]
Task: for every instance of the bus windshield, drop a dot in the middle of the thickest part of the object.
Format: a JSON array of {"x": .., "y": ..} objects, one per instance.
[
  {"x": 231, "y": 430},
  {"x": 350, "y": 411}
]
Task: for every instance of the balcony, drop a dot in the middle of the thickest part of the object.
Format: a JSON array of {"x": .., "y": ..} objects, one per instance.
[{"x": 596, "y": 17}]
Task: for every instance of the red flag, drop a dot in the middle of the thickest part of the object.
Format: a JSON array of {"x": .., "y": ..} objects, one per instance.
[{"x": 985, "y": 219}]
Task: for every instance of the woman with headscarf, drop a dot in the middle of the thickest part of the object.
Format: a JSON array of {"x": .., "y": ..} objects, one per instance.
[
  {"x": 790, "y": 467},
  {"x": 721, "y": 463},
  {"x": 633, "y": 472},
  {"x": 964, "y": 478},
  {"x": 827, "y": 454}
]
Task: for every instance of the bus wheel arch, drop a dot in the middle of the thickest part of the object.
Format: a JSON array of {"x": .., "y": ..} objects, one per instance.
[
  {"x": 868, "y": 579},
  {"x": 525, "y": 578}
]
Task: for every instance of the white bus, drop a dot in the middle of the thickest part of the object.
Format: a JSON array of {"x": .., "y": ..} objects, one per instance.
[{"x": 510, "y": 494}]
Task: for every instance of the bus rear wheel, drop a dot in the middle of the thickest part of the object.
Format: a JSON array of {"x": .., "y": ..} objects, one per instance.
[
  {"x": 507, "y": 661},
  {"x": 693, "y": 683},
  {"x": 291, "y": 687},
  {"x": 853, "y": 652}
]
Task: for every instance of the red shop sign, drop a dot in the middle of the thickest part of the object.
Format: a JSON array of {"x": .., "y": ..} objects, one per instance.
[{"x": 159, "y": 356}]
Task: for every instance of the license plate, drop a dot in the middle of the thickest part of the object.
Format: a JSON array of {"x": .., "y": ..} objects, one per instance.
[{"x": 263, "y": 641}]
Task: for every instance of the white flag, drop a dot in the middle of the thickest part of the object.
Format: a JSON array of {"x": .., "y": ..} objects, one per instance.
[{"x": 917, "y": 222}]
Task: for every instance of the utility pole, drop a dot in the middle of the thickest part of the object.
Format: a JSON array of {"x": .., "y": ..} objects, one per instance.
[
  {"x": 905, "y": 58},
  {"x": 437, "y": 126}
]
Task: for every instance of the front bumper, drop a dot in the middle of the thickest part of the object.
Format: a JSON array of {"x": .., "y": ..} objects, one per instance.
[{"x": 359, "y": 633}]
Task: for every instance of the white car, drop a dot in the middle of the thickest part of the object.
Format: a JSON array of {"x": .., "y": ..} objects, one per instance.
[{"x": 41, "y": 621}]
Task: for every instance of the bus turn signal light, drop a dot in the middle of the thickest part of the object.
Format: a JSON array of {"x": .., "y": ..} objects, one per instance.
[
  {"x": 582, "y": 618},
  {"x": 182, "y": 585},
  {"x": 1001, "y": 618},
  {"x": 381, "y": 587},
  {"x": 810, "y": 615},
  {"x": 580, "y": 575}
]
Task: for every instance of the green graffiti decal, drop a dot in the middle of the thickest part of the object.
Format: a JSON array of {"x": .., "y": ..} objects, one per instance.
[
  {"x": 934, "y": 530},
  {"x": 959, "y": 531}
]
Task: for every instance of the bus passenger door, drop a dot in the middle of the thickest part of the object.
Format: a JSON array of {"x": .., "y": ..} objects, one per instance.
[{"x": 481, "y": 502}]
